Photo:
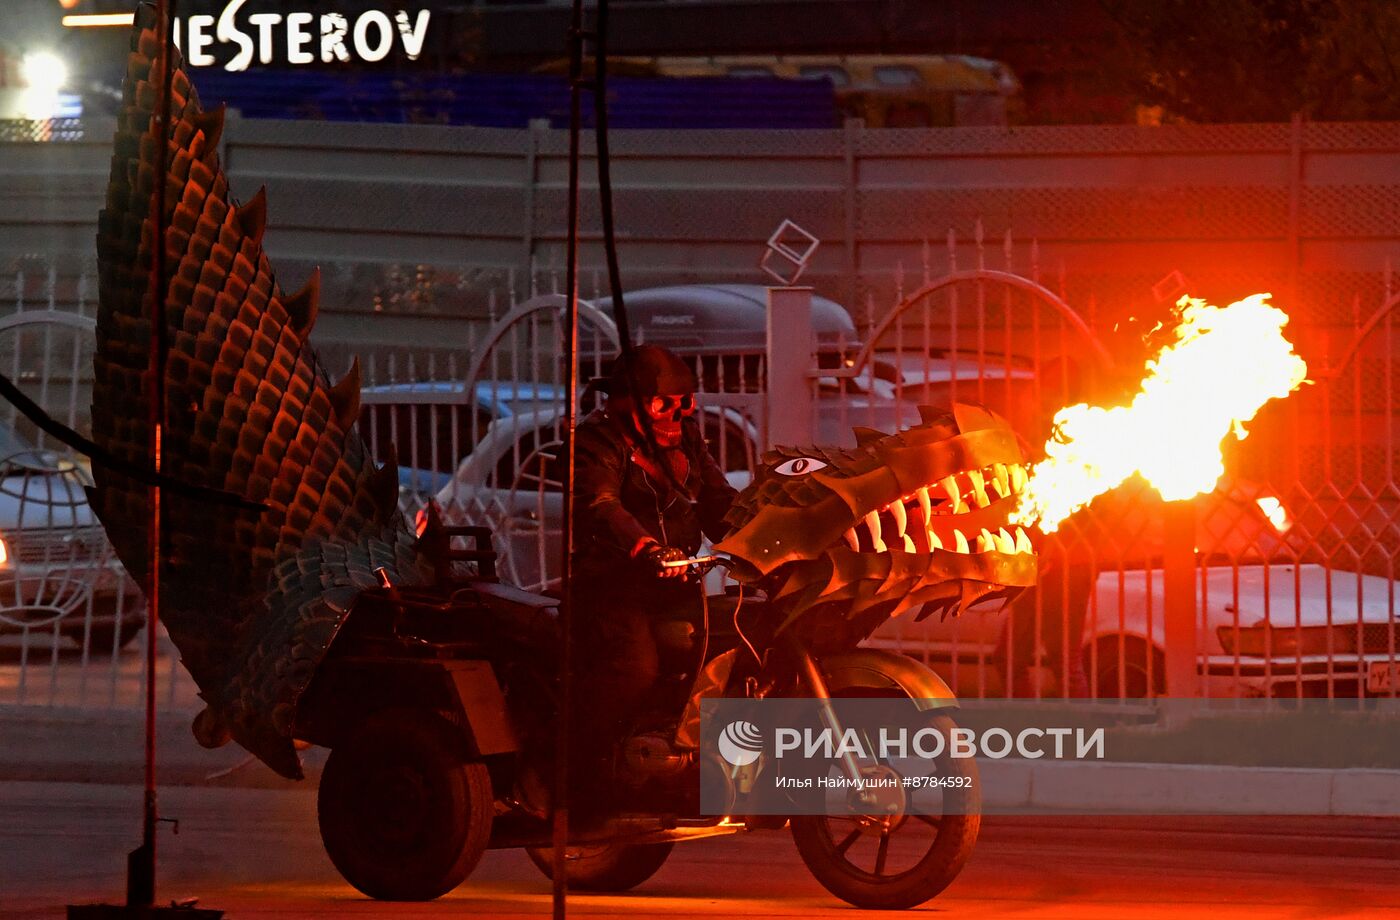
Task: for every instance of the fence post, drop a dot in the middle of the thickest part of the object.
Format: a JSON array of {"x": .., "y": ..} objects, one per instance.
[
  {"x": 791, "y": 357},
  {"x": 229, "y": 139},
  {"x": 850, "y": 137},
  {"x": 1295, "y": 204},
  {"x": 539, "y": 127},
  {"x": 1179, "y": 599}
]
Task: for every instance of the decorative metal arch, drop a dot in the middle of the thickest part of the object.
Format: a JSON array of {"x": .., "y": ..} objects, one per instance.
[
  {"x": 83, "y": 330},
  {"x": 1362, "y": 334},
  {"x": 986, "y": 274},
  {"x": 552, "y": 304},
  {"x": 515, "y": 511},
  {"x": 48, "y": 317}
]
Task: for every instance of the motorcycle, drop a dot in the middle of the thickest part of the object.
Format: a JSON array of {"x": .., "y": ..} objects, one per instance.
[{"x": 438, "y": 704}]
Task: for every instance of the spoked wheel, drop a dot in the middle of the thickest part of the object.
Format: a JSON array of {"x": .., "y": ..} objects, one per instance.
[
  {"x": 403, "y": 816},
  {"x": 898, "y": 860},
  {"x": 605, "y": 867}
]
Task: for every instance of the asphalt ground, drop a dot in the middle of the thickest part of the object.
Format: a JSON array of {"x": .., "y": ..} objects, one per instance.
[{"x": 256, "y": 853}]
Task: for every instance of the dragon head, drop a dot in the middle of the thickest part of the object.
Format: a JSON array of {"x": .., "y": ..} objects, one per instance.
[{"x": 914, "y": 519}]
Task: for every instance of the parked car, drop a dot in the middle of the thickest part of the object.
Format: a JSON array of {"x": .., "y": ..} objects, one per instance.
[
  {"x": 431, "y": 425},
  {"x": 1289, "y": 630},
  {"x": 57, "y": 571},
  {"x": 1266, "y": 628},
  {"x": 726, "y": 321},
  {"x": 887, "y": 395}
]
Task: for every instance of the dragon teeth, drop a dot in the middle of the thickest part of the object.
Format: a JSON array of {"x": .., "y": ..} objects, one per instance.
[
  {"x": 985, "y": 543},
  {"x": 872, "y": 523},
  {"x": 1004, "y": 542},
  {"x": 960, "y": 542},
  {"x": 1001, "y": 480},
  {"x": 909, "y": 546},
  {"x": 1023, "y": 542},
  {"x": 901, "y": 520},
  {"x": 979, "y": 488},
  {"x": 933, "y": 541},
  {"x": 852, "y": 540},
  {"x": 925, "y": 505},
  {"x": 954, "y": 491},
  {"x": 1018, "y": 477}
]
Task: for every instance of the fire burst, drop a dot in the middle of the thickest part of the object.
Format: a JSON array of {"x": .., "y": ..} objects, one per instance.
[{"x": 1222, "y": 367}]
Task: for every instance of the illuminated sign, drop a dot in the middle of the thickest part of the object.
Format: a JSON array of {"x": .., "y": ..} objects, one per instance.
[{"x": 298, "y": 38}]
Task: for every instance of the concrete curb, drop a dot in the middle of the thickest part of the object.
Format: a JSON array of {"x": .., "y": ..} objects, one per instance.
[
  {"x": 1010, "y": 786},
  {"x": 106, "y": 746}
]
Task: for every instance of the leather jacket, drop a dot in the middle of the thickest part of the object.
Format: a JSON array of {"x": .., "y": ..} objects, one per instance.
[{"x": 622, "y": 497}]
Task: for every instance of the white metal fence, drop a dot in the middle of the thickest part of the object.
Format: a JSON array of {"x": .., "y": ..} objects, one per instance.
[{"x": 1290, "y": 586}]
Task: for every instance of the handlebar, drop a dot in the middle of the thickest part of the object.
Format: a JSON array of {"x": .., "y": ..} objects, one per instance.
[{"x": 699, "y": 562}]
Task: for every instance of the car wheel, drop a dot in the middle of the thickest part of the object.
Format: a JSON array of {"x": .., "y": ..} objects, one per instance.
[
  {"x": 102, "y": 635},
  {"x": 104, "y": 639},
  {"x": 1126, "y": 667}
]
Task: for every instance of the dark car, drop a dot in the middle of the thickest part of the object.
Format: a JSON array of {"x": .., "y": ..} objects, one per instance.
[
  {"x": 58, "y": 574},
  {"x": 725, "y": 326}
]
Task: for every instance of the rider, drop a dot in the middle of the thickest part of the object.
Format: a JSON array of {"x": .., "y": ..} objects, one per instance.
[{"x": 646, "y": 489}]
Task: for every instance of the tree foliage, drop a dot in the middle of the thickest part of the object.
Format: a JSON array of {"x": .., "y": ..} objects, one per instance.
[{"x": 1262, "y": 60}]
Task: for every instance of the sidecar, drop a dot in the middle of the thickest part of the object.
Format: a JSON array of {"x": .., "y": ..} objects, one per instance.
[
  {"x": 437, "y": 703},
  {"x": 412, "y": 702}
]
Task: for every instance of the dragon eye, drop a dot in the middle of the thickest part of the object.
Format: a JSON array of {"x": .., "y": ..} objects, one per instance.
[{"x": 799, "y": 466}]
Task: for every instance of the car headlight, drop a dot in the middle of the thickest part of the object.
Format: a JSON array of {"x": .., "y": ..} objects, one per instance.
[
  {"x": 1286, "y": 641},
  {"x": 1247, "y": 641}
]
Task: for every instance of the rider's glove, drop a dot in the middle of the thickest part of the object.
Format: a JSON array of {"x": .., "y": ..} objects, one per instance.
[{"x": 656, "y": 555}]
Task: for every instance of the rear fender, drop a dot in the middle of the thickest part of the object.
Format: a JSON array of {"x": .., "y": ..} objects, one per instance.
[{"x": 877, "y": 669}]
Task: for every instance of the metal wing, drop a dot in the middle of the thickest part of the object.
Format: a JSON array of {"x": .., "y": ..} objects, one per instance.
[{"x": 251, "y": 599}]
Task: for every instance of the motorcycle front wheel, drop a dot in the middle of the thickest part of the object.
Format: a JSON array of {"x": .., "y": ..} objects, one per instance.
[{"x": 901, "y": 862}]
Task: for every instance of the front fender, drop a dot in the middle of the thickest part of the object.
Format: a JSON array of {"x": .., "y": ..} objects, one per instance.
[{"x": 878, "y": 669}]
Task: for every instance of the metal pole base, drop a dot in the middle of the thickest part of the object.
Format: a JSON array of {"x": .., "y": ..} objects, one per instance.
[
  {"x": 131, "y": 912},
  {"x": 141, "y": 874}
]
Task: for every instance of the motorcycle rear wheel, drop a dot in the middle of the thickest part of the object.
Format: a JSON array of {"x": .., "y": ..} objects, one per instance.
[
  {"x": 403, "y": 815},
  {"x": 607, "y": 867},
  {"x": 827, "y": 844}
]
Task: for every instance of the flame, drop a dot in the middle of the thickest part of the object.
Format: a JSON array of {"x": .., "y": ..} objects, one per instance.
[
  {"x": 1273, "y": 510},
  {"x": 1222, "y": 367}
]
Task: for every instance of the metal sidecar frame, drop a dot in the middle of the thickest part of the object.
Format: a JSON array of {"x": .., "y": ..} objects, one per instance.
[{"x": 432, "y": 647}]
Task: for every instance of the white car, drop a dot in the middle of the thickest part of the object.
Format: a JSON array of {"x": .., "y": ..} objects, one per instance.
[
  {"x": 512, "y": 482},
  {"x": 1265, "y": 629},
  {"x": 887, "y": 395}
]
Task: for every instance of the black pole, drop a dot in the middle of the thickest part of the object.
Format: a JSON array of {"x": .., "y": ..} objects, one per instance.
[
  {"x": 141, "y": 863},
  {"x": 605, "y": 208},
  {"x": 564, "y": 739},
  {"x": 605, "y": 203}
]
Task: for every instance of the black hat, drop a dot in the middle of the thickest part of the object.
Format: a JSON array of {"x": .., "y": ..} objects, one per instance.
[{"x": 657, "y": 372}]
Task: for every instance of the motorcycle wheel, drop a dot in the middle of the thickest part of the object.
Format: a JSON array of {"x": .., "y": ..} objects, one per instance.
[
  {"x": 607, "y": 867},
  {"x": 403, "y": 816},
  {"x": 851, "y": 859}
]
